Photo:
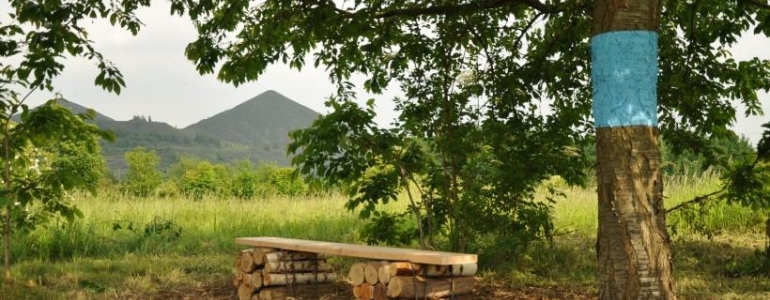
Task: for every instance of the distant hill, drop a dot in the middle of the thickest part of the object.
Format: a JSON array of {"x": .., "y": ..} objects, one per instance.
[
  {"x": 263, "y": 121},
  {"x": 74, "y": 108},
  {"x": 256, "y": 130}
]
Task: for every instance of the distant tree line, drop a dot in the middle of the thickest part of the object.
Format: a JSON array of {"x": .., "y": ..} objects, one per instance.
[{"x": 195, "y": 178}]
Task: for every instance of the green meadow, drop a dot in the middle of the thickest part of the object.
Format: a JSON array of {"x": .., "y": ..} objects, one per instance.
[{"x": 154, "y": 248}]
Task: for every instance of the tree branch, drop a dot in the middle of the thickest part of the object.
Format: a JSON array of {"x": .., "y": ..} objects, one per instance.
[
  {"x": 758, "y": 3},
  {"x": 696, "y": 200},
  {"x": 468, "y": 8}
]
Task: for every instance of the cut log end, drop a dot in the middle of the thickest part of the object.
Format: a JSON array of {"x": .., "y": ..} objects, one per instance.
[
  {"x": 245, "y": 291},
  {"x": 247, "y": 261},
  {"x": 371, "y": 271},
  {"x": 356, "y": 274}
]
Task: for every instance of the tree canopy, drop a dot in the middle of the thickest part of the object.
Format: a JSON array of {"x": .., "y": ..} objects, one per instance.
[{"x": 495, "y": 93}]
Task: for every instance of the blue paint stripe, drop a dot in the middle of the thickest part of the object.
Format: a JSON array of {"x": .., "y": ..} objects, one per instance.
[{"x": 624, "y": 74}]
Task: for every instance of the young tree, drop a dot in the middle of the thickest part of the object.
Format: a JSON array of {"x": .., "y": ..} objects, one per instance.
[
  {"x": 143, "y": 176},
  {"x": 48, "y": 153},
  {"x": 522, "y": 55},
  {"x": 34, "y": 42}
]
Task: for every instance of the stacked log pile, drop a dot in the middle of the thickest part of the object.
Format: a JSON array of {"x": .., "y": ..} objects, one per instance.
[
  {"x": 404, "y": 280},
  {"x": 265, "y": 274}
]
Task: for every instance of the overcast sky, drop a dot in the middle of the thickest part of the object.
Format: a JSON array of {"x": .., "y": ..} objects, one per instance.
[{"x": 163, "y": 84}]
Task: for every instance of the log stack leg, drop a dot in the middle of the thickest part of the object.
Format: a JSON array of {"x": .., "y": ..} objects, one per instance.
[
  {"x": 263, "y": 273},
  {"x": 405, "y": 280}
]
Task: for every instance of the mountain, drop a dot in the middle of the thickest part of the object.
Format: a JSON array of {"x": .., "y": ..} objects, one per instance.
[
  {"x": 262, "y": 121},
  {"x": 256, "y": 130},
  {"x": 74, "y": 108}
]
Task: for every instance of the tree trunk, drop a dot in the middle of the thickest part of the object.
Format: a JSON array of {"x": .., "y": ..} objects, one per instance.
[
  {"x": 633, "y": 246},
  {"x": 8, "y": 206},
  {"x": 7, "y": 242}
]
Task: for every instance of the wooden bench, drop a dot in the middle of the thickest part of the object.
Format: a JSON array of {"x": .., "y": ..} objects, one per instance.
[{"x": 275, "y": 268}]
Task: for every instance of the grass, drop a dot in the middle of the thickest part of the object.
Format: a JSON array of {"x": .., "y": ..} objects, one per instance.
[{"x": 129, "y": 248}]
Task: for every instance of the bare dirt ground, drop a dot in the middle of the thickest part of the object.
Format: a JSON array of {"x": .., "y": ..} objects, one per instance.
[{"x": 483, "y": 291}]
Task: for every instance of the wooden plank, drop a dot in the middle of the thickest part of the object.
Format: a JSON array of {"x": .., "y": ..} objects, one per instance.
[{"x": 362, "y": 251}]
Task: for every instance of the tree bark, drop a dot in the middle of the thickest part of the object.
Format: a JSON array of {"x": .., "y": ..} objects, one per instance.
[
  {"x": 633, "y": 245},
  {"x": 8, "y": 185}
]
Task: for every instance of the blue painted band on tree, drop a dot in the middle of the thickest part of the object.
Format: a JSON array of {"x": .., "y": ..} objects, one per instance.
[{"x": 624, "y": 77}]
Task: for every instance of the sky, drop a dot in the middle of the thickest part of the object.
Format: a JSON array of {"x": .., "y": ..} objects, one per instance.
[{"x": 164, "y": 85}]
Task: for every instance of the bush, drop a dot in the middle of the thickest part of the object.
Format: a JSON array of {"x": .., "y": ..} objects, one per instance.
[{"x": 143, "y": 176}]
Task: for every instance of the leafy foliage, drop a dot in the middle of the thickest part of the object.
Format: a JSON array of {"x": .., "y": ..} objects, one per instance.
[
  {"x": 143, "y": 176},
  {"x": 200, "y": 177},
  {"x": 34, "y": 41},
  {"x": 49, "y": 153},
  {"x": 476, "y": 77}
]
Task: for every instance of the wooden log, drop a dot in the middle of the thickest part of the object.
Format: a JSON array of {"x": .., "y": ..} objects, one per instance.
[
  {"x": 237, "y": 279},
  {"x": 256, "y": 280},
  {"x": 365, "y": 291},
  {"x": 259, "y": 255},
  {"x": 309, "y": 291},
  {"x": 246, "y": 263},
  {"x": 272, "y": 279},
  {"x": 433, "y": 288},
  {"x": 297, "y": 266},
  {"x": 356, "y": 273},
  {"x": 411, "y": 269},
  {"x": 246, "y": 278},
  {"x": 404, "y": 269},
  {"x": 450, "y": 270},
  {"x": 289, "y": 256},
  {"x": 238, "y": 261},
  {"x": 371, "y": 271},
  {"x": 469, "y": 296},
  {"x": 245, "y": 291},
  {"x": 380, "y": 292},
  {"x": 383, "y": 274}
]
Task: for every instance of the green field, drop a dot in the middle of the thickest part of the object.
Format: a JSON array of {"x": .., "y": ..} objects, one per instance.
[{"x": 132, "y": 248}]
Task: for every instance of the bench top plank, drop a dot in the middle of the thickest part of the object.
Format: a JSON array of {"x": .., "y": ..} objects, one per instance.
[{"x": 361, "y": 251}]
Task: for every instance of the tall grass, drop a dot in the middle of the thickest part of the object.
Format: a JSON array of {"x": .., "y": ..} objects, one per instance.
[
  {"x": 171, "y": 242},
  {"x": 114, "y": 225}
]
